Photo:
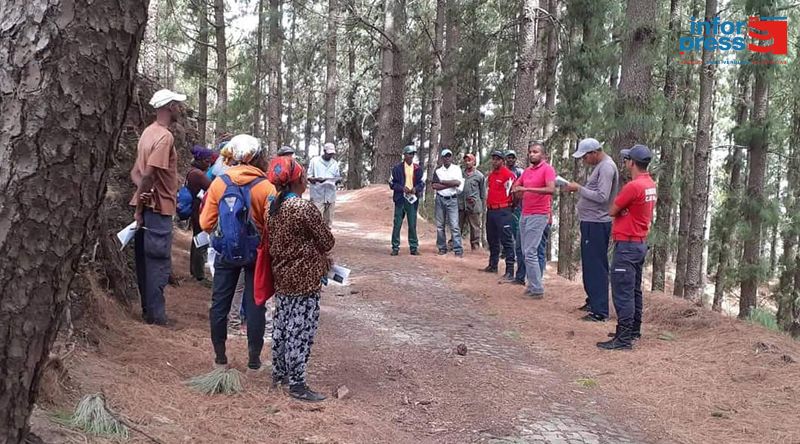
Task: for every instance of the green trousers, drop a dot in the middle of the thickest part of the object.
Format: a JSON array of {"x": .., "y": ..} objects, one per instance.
[{"x": 404, "y": 209}]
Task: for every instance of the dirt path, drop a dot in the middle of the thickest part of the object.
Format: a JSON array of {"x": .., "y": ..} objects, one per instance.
[{"x": 531, "y": 373}]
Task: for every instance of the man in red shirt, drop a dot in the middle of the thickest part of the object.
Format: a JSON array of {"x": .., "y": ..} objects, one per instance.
[
  {"x": 536, "y": 186},
  {"x": 498, "y": 214},
  {"x": 632, "y": 211}
]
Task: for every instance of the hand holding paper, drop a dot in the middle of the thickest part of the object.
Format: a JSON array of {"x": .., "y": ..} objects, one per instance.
[{"x": 126, "y": 234}]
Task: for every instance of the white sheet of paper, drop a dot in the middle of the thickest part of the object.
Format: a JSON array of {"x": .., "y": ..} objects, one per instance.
[
  {"x": 560, "y": 181},
  {"x": 126, "y": 234},
  {"x": 411, "y": 198},
  {"x": 338, "y": 275},
  {"x": 202, "y": 239},
  {"x": 200, "y": 194}
]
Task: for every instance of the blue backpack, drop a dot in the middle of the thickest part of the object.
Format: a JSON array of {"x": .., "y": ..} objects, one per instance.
[
  {"x": 236, "y": 238},
  {"x": 185, "y": 200}
]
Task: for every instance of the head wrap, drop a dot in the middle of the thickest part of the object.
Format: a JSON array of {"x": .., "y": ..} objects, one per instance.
[
  {"x": 200, "y": 152},
  {"x": 242, "y": 148},
  {"x": 283, "y": 171}
]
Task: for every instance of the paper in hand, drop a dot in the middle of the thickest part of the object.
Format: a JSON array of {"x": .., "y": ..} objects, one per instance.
[
  {"x": 126, "y": 234},
  {"x": 411, "y": 198},
  {"x": 560, "y": 181},
  {"x": 338, "y": 274},
  {"x": 202, "y": 239}
]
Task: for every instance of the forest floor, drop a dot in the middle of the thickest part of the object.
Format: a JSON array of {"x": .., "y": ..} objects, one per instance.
[{"x": 531, "y": 374}]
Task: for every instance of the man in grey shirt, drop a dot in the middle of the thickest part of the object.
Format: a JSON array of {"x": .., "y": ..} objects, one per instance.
[
  {"x": 471, "y": 200},
  {"x": 594, "y": 201}
]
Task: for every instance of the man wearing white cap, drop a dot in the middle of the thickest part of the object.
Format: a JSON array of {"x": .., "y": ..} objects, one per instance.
[
  {"x": 324, "y": 175},
  {"x": 594, "y": 201},
  {"x": 155, "y": 175},
  {"x": 448, "y": 181}
]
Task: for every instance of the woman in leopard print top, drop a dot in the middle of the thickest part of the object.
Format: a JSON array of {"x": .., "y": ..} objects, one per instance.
[{"x": 299, "y": 243}]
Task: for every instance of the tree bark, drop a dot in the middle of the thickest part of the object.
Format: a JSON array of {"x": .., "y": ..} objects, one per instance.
[
  {"x": 693, "y": 286},
  {"x": 390, "y": 115},
  {"x": 202, "y": 87},
  {"x": 222, "y": 67},
  {"x": 550, "y": 68},
  {"x": 753, "y": 201},
  {"x": 527, "y": 72},
  {"x": 666, "y": 176},
  {"x": 451, "y": 71},
  {"x": 684, "y": 219},
  {"x": 434, "y": 145},
  {"x": 332, "y": 86},
  {"x": 773, "y": 244},
  {"x": 308, "y": 120},
  {"x": 259, "y": 69},
  {"x": 787, "y": 293},
  {"x": 64, "y": 89},
  {"x": 355, "y": 137},
  {"x": 274, "y": 62},
  {"x": 291, "y": 69}
]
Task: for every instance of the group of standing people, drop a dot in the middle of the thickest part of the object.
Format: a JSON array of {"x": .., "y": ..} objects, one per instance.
[
  {"x": 517, "y": 203},
  {"x": 265, "y": 238}
]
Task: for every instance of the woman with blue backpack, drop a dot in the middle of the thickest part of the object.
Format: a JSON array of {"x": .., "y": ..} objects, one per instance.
[
  {"x": 197, "y": 181},
  {"x": 234, "y": 215}
]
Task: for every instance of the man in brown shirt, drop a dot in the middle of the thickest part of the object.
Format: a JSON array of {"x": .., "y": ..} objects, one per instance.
[{"x": 155, "y": 175}]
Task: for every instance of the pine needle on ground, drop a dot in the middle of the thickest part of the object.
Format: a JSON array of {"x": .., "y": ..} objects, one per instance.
[
  {"x": 218, "y": 381},
  {"x": 93, "y": 417}
]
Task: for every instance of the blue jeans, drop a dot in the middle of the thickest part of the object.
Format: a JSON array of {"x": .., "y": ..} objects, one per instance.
[
  {"x": 447, "y": 212},
  {"x": 594, "y": 264},
  {"x": 521, "y": 272},
  {"x": 531, "y": 229},
  {"x": 153, "y": 256},
  {"x": 225, "y": 279},
  {"x": 543, "y": 247},
  {"x": 626, "y": 284}
]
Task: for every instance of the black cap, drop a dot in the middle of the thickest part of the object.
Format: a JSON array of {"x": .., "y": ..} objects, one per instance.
[
  {"x": 639, "y": 153},
  {"x": 498, "y": 153}
]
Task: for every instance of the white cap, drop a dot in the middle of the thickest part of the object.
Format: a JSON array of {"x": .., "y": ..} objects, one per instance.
[
  {"x": 164, "y": 96},
  {"x": 329, "y": 148}
]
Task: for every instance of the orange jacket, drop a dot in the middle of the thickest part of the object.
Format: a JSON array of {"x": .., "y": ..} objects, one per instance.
[{"x": 240, "y": 175}]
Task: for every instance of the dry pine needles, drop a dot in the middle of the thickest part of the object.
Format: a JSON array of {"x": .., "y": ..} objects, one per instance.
[{"x": 219, "y": 381}]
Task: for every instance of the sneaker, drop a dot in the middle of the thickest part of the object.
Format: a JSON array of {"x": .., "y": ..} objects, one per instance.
[
  {"x": 442, "y": 252},
  {"x": 490, "y": 269},
  {"x": 533, "y": 295},
  {"x": 584, "y": 307},
  {"x": 634, "y": 336},
  {"x": 414, "y": 253},
  {"x": 591, "y": 317},
  {"x": 395, "y": 252},
  {"x": 303, "y": 393}
]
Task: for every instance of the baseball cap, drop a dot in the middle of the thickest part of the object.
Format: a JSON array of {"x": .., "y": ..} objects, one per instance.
[
  {"x": 446, "y": 152},
  {"x": 637, "y": 152},
  {"x": 285, "y": 150},
  {"x": 511, "y": 153},
  {"x": 469, "y": 156},
  {"x": 164, "y": 96},
  {"x": 498, "y": 153},
  {"x": 586, "y": 146},
  {"x": 329, "y": 148},
  {"x": 409, "y": 149}
]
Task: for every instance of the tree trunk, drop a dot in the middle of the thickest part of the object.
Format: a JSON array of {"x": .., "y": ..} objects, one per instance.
[
  {"x": 390, "y": 115},
  {"x": 332, "y": 86},
  {"x": 355, "y": 136},
  {"x": 666, "y": 176},
  {"x": 753, "y": 201},
  {"x": 65, "y": 86},
  {"x": 527, "y": 72},
  {"x": 451, "y": 71},
  {"x": 258, "y": 74},
  {"x": 693, "y": 286},
  {"x": 788, "y": 291},
  {"x": 434, "y": 145},
  {"x": 636, "y": 78},
  {"x": 222, "y": 67},
  {"x": 291, "y": 69},
  {"x": 684, "y": 219},
  {"x": 550, "y": 68},
  {"x": 773, "y": 244},
  {"x": 274, "y": 62},
  {"x": 202, "y": 87},
  {"x": 308, "y": 120}
]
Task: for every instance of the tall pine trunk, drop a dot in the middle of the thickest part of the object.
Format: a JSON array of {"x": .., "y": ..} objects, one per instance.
[
  {"x": 332, "y": 86},
  {"x": 291, "y": 65},
  {"x": 355, "y": 137},
  {"x": 274, "y": 64},
  {"x": 390, "y": 115},
  {"x": 668, "y": 159},
  {"x": 436, "y": 104},
  {"x": 66, "y": 84},
  {"x": 451, "y": 70},
  {"x": 527, "y": 71},
  {"x": 222, "y": 67},
  {"x": 550, "y": 68},
  {"x": 259, "y": 68},
  {"x": 202, "y": 78},
  {"x": 693, "y": 286}
]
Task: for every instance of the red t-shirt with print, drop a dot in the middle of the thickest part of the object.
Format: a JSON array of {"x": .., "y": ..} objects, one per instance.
[{"x": 636, "y": 201}]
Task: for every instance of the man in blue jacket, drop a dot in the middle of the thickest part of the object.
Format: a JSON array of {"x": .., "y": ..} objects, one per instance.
[{"x": 407, "y": 184}]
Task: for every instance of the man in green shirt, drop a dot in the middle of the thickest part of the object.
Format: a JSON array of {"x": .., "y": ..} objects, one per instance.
[{"x": 471, "y": 201}]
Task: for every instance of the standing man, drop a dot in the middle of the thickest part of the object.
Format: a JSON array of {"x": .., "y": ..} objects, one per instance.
[
  {"x": 536, "y": 186},
  {"x": 407, "y": 184},
  {"x": 155, "y": 174},
  {"x": 470, "y": 201},
  {"x": 594, "y": 200},
  {"x": 632, "y": 212},
  {"x": 498, "y": 214},
  {"x": 324, "y": 175},
  {"x": 448, "y": 182},
  {"x": 519, "y": 277}
]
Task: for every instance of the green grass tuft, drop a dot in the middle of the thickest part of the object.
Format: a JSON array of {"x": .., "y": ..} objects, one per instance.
[
  {"x": 587, "y": 382},
  {"x": 93, "y": 417},
  {"x": 219, "y": 381},
  {"x": 764, "y": 318},
  {"x": 667, "y": 336}
]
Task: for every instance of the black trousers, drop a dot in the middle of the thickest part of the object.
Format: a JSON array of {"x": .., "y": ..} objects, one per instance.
[{"x": 499, "y": 232}]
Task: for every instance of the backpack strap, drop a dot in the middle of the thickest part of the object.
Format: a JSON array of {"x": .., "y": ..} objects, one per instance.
[
  {"x": 246, "y": 191},
  {"x": 225, "y": 178}
]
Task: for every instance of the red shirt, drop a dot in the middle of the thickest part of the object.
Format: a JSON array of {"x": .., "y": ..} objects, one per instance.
[
  {"x": 636, "y": 201},
  {"x": 499, "y": 185},
  {"x": 537, "y": 177}
]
